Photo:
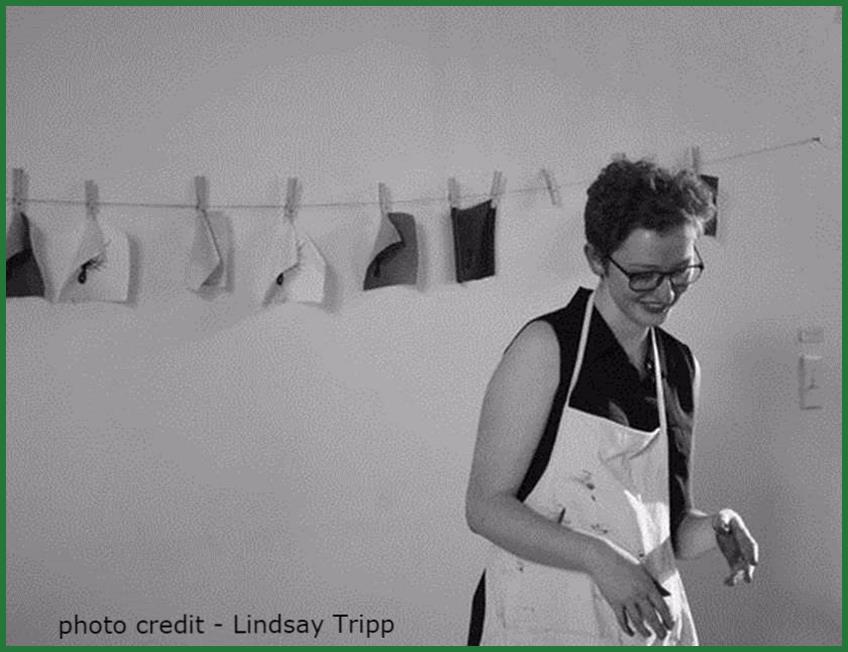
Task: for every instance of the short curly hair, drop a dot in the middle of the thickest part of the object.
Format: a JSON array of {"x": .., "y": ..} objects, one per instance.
[{"x": 628, "y": 195}]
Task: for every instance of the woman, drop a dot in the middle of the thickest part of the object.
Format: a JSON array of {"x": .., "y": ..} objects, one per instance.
[{"x": 581, "y": 467}]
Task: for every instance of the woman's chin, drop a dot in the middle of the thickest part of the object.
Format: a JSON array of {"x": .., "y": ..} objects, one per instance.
[{"x": 654, "y": 315}]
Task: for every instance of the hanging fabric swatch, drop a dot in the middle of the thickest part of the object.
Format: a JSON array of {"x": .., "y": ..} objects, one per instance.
[
  {"x": 101, "y": 269},
  {"x": 395, "y": 257},
  {"x": 88, "y": 262},
  {"x": 23, "y": 273},
  {"x": 474, "y": 241},
  {"x": 305, "y": 283},
  {"x": 278, "y": 259},
  {"x": 293, "y": 269},
  {"x": 210, "y": 260},
  {"x": 711, "y": 228}
]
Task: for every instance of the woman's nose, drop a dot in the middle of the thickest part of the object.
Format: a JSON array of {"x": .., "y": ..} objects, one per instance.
[{"x": 665, "y": 292}]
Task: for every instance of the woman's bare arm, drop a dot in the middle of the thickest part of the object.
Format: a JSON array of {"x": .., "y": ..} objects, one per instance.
[{"x": 515, "y": 410}]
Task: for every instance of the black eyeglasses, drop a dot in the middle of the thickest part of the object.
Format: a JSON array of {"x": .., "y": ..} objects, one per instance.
[{"x": 647, "y": 281}]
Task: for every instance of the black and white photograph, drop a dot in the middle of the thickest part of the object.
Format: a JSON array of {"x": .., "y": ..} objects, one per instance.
[{"x": 423, "y": 325}]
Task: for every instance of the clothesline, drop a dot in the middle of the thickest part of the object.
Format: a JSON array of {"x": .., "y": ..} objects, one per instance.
[
  {"x": 351, "y": 204},
  {"x": 80, "y": 202},
  {"x": 806, "y": 141}
]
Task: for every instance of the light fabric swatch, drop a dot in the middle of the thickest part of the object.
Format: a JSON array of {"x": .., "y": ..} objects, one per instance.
[
  {"x": 298, "y": 269},
  {"x": 277, "y": 260},
  {"x": 62, "y": 251},
  {"x": 305, "y": 283},
  {"x": 211, "y": 253},
  {"x": 104, "y": 276}
]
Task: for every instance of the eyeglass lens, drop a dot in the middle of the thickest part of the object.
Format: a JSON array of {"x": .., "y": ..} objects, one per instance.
[{"x": 652, "y": 280}]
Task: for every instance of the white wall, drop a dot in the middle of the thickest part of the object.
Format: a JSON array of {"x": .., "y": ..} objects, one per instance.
[{"x": 177, "y": 455}]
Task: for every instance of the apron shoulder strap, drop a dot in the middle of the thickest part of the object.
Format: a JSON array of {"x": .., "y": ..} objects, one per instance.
[
  {"x": 658, "y": 382},
  {"x": 581, "y": 346}
]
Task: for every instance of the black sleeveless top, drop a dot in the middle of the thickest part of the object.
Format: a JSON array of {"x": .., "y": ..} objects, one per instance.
[{"x": 609, "y": 386}]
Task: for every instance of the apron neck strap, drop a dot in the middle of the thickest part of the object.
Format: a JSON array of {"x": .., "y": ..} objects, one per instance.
[
  {"x": 581, "y": 347},
  {"x": 658, "y": 381}
]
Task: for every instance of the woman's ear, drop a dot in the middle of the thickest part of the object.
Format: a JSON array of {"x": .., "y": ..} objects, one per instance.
[{"x": 596, "y": 262}]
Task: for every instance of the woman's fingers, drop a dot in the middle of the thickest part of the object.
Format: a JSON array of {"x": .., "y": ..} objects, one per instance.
[
  {"x": 639, "y": 607},
  {"x": 650, "y": 617},
  {"x": 651, "y": 611},
  {"x": 734, "y": 577},
  {"x": 747, "y": 545},
  {"x": 662, "y": 609},
  {"x": 744, "y": 552},
  {"x": 740, "y": 549},
  {"x": 740, "y": 571},
  {"x": 621, "y": 616},
  {"x": 635, "y": 616}
]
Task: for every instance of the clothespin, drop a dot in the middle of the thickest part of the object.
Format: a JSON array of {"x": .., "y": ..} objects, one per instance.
[
  {"x": 92, "y": 199},
  {"x": 201, "y": 189},
  {"x": 20, "y": 191},
  {"x": 553, "y": 187},
  {"x": 385, "y": 199},
  {"x": 498, "y": 187},
  {"x": 293, "y": 193},
  {"x": 618, "y": 156},
  {"x": 453, "y": 192}
]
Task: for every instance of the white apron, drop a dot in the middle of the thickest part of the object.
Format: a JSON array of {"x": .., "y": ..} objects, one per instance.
[{"x": 603, "y": 479}]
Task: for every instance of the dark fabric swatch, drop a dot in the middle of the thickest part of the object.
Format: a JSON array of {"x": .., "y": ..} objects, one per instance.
[
  {"x": 397, "y": 264},
  {"x": 711, "y": 227},
  {"x": 23, "y": 275},
  {"x": 474, "y": 241}
]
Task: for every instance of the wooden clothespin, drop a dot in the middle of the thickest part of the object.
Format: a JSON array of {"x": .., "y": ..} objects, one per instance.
[
  {"x": 293, "y": 193},
  {"x": 618, "y": 156},
  {"x": 385, "y": 199},
  {"x": 201, "y": 190},
  {"x": 498, "y": 187},
  {"x": 553, "y": 187},
  {"x": 92, "y": 199},
  {"x": 20, "y": 191},
  {"x": 453, "y": 192}
]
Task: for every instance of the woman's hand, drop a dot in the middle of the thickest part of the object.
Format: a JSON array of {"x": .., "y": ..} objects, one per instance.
[
  {"x": 737, "y": 545},
  {"x": 636, "y": 598}
]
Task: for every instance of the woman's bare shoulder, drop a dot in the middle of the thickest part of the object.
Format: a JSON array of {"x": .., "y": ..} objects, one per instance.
[{"x": 532, "y": 356}]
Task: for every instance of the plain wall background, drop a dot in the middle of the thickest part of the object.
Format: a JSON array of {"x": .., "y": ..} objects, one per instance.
[{"x": 179, "y": 455}]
